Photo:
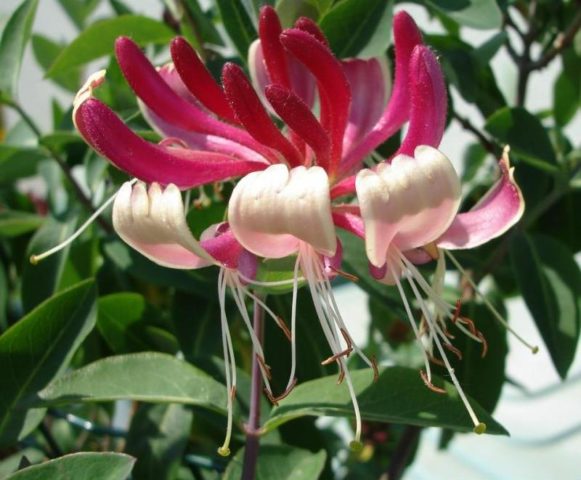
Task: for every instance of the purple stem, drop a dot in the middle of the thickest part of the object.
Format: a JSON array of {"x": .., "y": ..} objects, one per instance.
[{"x": 253, "y": 425}]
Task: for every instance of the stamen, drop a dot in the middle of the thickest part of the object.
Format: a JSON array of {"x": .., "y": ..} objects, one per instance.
[
  {"x": 429, "y": 384},
  {"x": 413, "y": 323},
  {"x": 347, "y": 276},
  {"x": 533, "y": 348},
  {"x": 229, "y": 362},
  {"x": 34, "y": 259},
  {"x": 479, "y": 427},
  {"x": 292, "y": 378}
]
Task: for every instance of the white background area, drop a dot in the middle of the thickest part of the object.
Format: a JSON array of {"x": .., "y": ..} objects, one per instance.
[{"x": 545, "y": 425}]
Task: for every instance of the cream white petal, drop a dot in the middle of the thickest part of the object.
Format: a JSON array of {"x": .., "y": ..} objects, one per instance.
[{"x": 271, "y": 211}]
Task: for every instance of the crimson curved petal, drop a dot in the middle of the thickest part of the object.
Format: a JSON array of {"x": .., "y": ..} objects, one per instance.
[
  {"x": 160, "y": 98},
  {"x": 198, "y": 79},
  {"x": 406, "y": 37},
  {"x": 428, "y": 102},
  {"x": 334, "y": 90},
  {"x": 186, "y": 168},
  {"x": 500, "y": 208}
]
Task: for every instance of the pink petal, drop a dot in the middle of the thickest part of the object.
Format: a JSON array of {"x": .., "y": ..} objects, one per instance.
[
  {"x": 350, "y": 222},
  {"x": 370, "y": 86},
  {"x": 406, "y": 38},
  {"x": 501, "y": 207},
  {"x": 198, "y": 79},
  {"x": 161, "y": 99},
  {"x": 253, "y": 116},
  {"x": 272, "y": 212},
  {"x": 298, "y": 116},
  {"x": 407, "y": 203},
  {"x": 333, "y": 86},
  {"x": 109, "y": 136},
  {"x": 429, "y": 102}
]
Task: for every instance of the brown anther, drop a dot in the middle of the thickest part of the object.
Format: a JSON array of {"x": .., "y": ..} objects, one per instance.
[
  {"x": 264, "y": 367},
  {"x": 375, "y": 369},
  {"x": 454, "y": 350},
  {"x": 233, "y": 392},
  {"x": 283, "y": 326},
  {"x": 423, "y": 326},
  {"x": 437, "y": 361},
  {"x": 346, "y": 275},
  {"x": 286, "y": 392},
  {"x": 341, "y": 377},
  {"x": 447, "y": 333},
  {"x": 456, "y": 313},
  {"x": 429, "y": 384},
  {"x": 484, "y": 344},
  {"x": 270, "y": 397},
  {"x": 218, "y": 187},
  {"x": 347, "y": 338},
  {"x": 470, "y": 324}
]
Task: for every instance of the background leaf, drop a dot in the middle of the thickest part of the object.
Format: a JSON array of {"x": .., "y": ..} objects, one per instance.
[
  {"x": 482, "y": 14},
  {"x": 280, "y": 462},
  {"x": 80, "y": 466},
  {"x": 550, "y": 282},
  {"x": 157, "y": 438},
  {"x": 398, "y": 396},
  {"x": 147, "y": 377},
  {"x": 98, "y": 39},
  {"x": 524, "y": 133},
  {"x": 14, "y": 39},
  {"x": 38, "y": 348},
  {"x": 356, "y": 28},
  {"x": 238, "y": 24}
]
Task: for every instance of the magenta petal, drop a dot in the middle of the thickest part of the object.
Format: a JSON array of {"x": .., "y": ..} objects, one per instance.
[
  {"x": 161, "y": 99},
  {"x": 198, "y": 79},
  {"x": 501, "y": 207},
  {"x": 344, "y": 187},
  {"x": 109, "y": 136},
  {"x": 350, "y": 222},
  {"x": 224, "y": 247},
  {"x": 251, "y": 113},
  {"x": 307, "y": 25},
  {"x": 406, "y": 37},
  {"x": 370, "y": 87},
  {"x": 298, "y": 116},
  {"x": 429, "y": 102},
  {"x": 333, "y": 86},
  {"x": 275, "y": 57}
]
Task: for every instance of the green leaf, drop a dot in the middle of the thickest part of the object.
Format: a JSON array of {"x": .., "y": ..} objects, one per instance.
[
  {"x": 238, "y": 24},
  {"x": 157, "y": 438},
  {"x": 4, "y": 292},
  {"x": 289, "y": 10},
  {"x": 40, "y": 281},
  {"x": 567, "y": 89},
  {"x": 146, "y": 377},
  {"x": 14, "y": 223},
  {"x": 550, "y": 282},
  {"x": 398, "y": 396},
  {"x": 481, "y": 14},
  {"x": 481, "y": 377},
  {"x": 12, "y": 45},
  {"x": 18, "y": 162},
  {"x": 36, "y": 349},
  {"x": 79, "y": 10},
  {"x": 464, "y": 68},
  {"x": 203, "y": 23},
  {"x": 281, "y": 462},
  {"x": 525, "y": 134},
  {"x": 80, "y": 466},
  {"x": 122, "y": 321},
  {"x": 356, "y": 28},
  {"x": 98, "y": 40},
  {"x": 46, "y": 51},
  {"x": 135, "y": 264}
]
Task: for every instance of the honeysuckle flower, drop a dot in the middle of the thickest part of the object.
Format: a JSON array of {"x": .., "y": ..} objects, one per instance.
[
  {"x": 412, "y": 204},
  {"x": 285, "y": 203}
]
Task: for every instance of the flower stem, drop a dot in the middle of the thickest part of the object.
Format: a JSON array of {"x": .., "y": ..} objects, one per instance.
[
  {"x": 253, "y": 425},
  {"x": 404, "y": 449}
]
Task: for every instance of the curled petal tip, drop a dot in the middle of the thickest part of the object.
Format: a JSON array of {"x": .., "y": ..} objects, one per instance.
[
  {"x": 497, "y": 211},
  {"x": 86, "y": 91}
]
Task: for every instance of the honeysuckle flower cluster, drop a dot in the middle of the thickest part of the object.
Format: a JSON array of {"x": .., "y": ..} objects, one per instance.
[{"x": 297, "y": 184}]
